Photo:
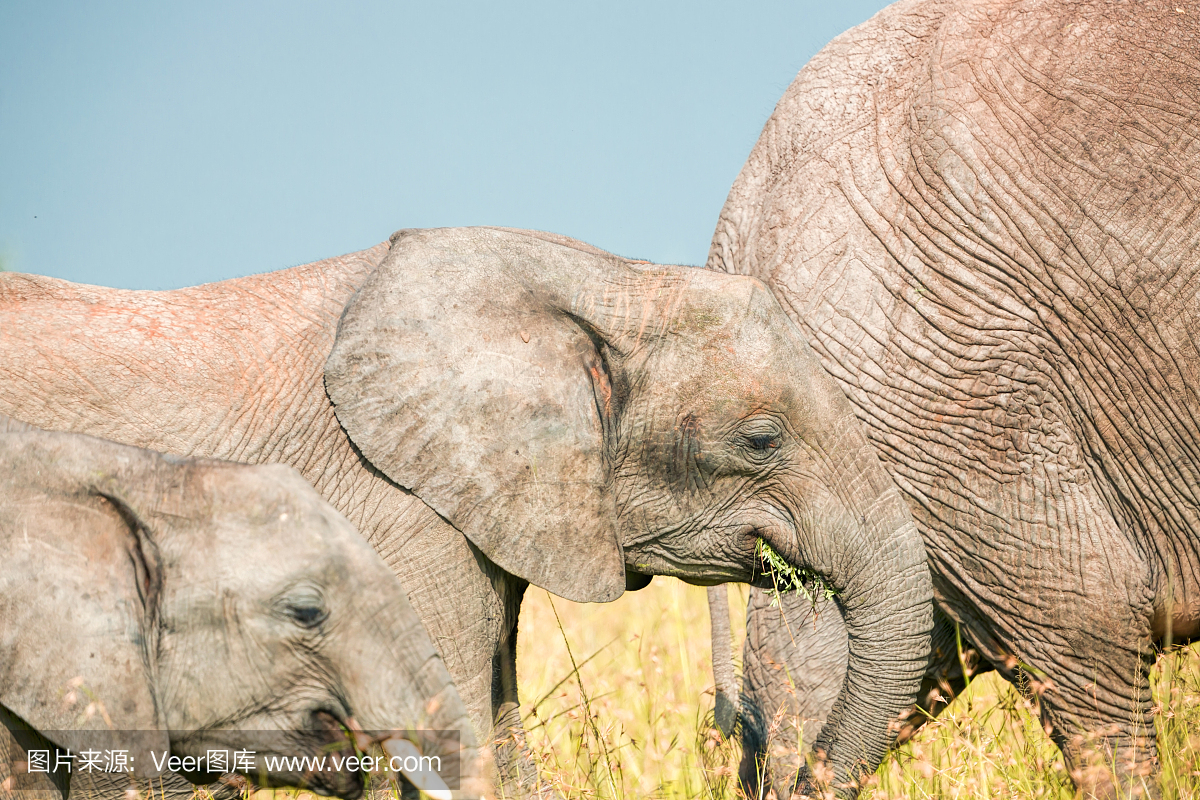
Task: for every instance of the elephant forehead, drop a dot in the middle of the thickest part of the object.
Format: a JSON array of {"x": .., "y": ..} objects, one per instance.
[
  {"x": 286, "y": 524},
  {"x": 728, "y": 377},
  {"x": 726, "y": 391}
]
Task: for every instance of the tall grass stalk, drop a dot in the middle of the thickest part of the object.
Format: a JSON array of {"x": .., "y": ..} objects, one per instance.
[{"x": 621, "y": 695}]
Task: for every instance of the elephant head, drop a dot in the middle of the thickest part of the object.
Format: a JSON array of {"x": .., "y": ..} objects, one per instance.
[
  {"x": 199, "y": 605},
  {"x": 586, "y": 421}
]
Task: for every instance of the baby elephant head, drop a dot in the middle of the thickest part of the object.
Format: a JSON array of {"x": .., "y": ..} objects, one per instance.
[
  {"x": 210, "y": 607},
  {"x": 586, "y": 420}
]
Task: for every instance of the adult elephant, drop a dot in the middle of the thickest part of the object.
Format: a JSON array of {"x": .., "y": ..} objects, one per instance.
[
  {"x": 983, "y": 216},
  {"x": 495, "y": 407}
]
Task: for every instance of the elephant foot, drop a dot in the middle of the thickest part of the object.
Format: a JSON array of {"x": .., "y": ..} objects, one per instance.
[
  {"x": 516, "y": 774},
  {"x": 1108, "y": 769}
]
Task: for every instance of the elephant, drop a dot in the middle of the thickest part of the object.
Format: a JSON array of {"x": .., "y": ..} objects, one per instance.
[
  {"x": 167, "y": 607},
  {"x": 982, "y": 216},
  {"x": 493, "y": 408}
]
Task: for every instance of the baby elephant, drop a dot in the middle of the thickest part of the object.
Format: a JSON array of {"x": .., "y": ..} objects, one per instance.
[{"x": 164, "y": 614}]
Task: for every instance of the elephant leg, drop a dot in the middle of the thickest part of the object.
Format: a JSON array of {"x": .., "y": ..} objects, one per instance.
[
  {"x": 514, "y": 763},
  {"x": 725, "y": 712},
  {"x": 1097, "y": 708},
  {"x": 469, "y": 607},
  {"x": 1063, "y": 608}
]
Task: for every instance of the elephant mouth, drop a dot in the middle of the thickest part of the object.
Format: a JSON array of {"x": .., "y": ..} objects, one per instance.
[
  {"x": 311, "y": 755},
  {"x": 771, "y": 535},
  {"x": 333, "y": 755},
  {"x": 403, "y": 756},
  {"x": 778, "y": 574},
  {"x": 757, "y": 543},
  {"x": 315, "y": 757}
]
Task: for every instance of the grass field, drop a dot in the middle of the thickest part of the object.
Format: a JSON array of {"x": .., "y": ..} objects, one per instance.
[{"x": 630, "y": 722}]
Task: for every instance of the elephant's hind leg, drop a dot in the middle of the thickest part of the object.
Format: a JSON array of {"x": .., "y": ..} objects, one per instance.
[
  {"x": 1063, "y": 600},
  {"x": 1097, "y": 708}
]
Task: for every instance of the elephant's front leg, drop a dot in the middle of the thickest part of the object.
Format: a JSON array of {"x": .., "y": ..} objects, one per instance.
[
  {"x": 470, "y": 608},
  {"x": 514, "y": 763}
]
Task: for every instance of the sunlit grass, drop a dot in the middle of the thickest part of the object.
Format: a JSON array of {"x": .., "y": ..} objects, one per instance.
[
  {"x": 990, "y": 744},
  {"x": 645, "y": 678},
  {"x": 636, "y": 721}
]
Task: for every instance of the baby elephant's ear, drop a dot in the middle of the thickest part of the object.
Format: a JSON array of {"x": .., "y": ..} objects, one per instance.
[
  {"x": 467, "y": 369},
  {"x": 78, "y": 590}
]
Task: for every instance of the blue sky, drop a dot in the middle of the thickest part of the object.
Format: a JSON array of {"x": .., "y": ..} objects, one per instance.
[{"x": 156, "y": 145}]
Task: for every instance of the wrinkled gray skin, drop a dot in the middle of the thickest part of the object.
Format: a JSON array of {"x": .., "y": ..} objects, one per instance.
[
  {"x": 202, "y": 604},
  {"x": 983, "y": 217},
  {"x": 794, "y": 660},
  {"x": 494, "y": 407}
]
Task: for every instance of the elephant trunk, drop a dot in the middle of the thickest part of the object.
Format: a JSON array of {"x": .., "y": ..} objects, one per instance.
[
  {"x": 402, "y": 697},
  {"x": 726, "y": 712},
  {"x": 862, "y": 539}
]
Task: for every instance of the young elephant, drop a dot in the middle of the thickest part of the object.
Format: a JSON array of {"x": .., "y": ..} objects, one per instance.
[
  {"x": 189, "y": 605},
  {"x": 983, "y": 214},
  {"x": 493, "y": 408}
]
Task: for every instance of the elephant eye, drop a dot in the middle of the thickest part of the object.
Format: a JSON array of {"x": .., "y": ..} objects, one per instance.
[
  {"x": 304, "y": 606},
  {"x": 307, "y": 616},
  {"x": 761, "y": 442}
]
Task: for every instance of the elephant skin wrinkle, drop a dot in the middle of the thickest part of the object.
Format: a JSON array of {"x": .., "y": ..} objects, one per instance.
[{"x": 983, "y": 217}]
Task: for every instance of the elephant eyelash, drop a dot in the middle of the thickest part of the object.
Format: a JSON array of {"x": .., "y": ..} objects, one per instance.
[
  {"x": 760, "y": 444},
  {"x": 764, "y": 441},
  {"x": 303, "y": 605}
]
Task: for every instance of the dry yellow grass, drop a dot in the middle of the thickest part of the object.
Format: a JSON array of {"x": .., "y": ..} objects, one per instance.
[
  {"x": 636, "y": 720},
  {"x": 632, "y": 723}
]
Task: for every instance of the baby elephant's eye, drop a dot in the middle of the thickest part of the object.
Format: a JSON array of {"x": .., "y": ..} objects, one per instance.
[
  {"x": 307, "y": 616},
  {"x": 304, "y": 605}
]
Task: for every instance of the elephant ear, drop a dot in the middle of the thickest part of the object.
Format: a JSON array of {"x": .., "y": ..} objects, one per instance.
[
  {"x": 77, "y": 599},
  {"x": 468, "y": 369}
]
